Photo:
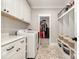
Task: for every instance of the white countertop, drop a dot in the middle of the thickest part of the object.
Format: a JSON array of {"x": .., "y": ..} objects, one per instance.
[{"x": 10, "y": 38}]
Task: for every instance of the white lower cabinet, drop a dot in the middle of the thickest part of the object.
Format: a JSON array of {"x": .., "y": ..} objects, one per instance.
[
  {"x": 8, "y": 50},
  {"x": 21, "y": 48},
  {"x": 15, "y": 50},
  {"x": 18, "y": 55}
]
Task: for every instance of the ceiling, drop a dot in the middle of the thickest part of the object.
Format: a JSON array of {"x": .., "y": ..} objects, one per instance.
[{"x": 47, "y": 3}]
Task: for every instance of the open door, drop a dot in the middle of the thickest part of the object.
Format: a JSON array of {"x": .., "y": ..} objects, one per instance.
[{"x": 44, "y": 29}]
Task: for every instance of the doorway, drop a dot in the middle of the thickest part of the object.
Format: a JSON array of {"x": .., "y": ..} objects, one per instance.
[{"x": 44, "y": 29}]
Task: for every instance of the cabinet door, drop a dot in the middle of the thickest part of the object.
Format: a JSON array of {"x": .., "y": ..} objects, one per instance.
[
  {"x": 20, "y": 50},
  {"x": 8, "y": 50},
  {"x": 26, "y": 11},
  {"x": 10, "y": 7},
  {"x": 3, "y": 6},
  {"x": 15, "y": 56},
  {"x": 13, "y": 7},
  {"x": 18, "y": 55},
  {"x": 23, "y": 47},
  {"x": 19, "y": 9},
  {"x": 23, "y": 54},
  {"x": 29, "y": 13}
]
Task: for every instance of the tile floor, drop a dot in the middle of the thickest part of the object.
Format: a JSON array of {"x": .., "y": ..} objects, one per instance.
[
  {"x": 49, "y": 52},
  {"x": 44, "y": 42}
]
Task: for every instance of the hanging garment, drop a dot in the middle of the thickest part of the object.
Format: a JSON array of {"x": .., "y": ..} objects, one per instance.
[
  {"x": 44, "y": 34},
  {"x": 47, "y": 32},
  {"x": 41, "y": 34},
  {"x": 43, "y": 25}
]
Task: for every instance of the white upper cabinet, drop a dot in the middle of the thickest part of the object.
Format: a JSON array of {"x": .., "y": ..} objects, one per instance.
[
  {"x": 17, "y": 8},
  {"x": 26, "y": 12},
  {"x": 3, "y": 6},
  {"x": 29, "y": 14},
  {"x": 10, "y": 7}
]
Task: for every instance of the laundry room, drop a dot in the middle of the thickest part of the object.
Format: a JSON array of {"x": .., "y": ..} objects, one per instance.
[{"x": 38, "y": 29}]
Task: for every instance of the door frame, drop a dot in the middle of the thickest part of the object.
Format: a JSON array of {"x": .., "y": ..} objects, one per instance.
[{"x": 49, "y": 15}]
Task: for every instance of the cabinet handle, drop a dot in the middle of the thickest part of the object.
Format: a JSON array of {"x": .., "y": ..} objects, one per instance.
[
  {"x": 18, "y": 49},
  {"x": 22, "y": 41},
  {"x": 10, "y": 48}
]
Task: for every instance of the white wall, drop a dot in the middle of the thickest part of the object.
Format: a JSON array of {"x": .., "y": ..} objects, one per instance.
[
  {"x": 60, "y": 26},
  {"x": 71, "y": 24},
  {"x": 11, "y": 25},
  {"x": 54, "y": 23},
  {"x": 67, "y": 25}
]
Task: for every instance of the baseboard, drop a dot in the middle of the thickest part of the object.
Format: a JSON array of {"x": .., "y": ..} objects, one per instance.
[{"x": 30, "y": 58}]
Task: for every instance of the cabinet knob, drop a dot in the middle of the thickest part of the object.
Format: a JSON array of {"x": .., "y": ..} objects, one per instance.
[
  {"x": 7, "y": 11},
  {"x": 4, "y": 9},
  {"x": 18, "y": 49}
]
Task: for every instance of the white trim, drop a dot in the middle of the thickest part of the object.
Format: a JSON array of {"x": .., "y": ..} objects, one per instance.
[
  {"x": 49, "y": 25},
  {"x": 47, "y": 7}
]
